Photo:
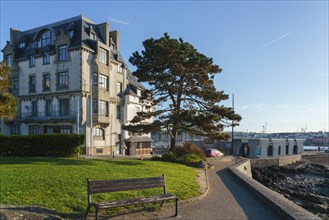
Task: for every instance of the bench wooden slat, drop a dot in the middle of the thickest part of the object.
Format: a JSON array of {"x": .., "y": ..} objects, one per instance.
[
  {"x": 139, "y": 180},
  {"x": 136, "y": 201},
  {"x": 110, "y": 188}
]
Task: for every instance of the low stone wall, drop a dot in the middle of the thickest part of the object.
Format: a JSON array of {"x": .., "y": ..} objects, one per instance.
[
  {"x": 319, "y": 158},
  {"x": 285, "y": 208},
  {"x": 279, "y": 161},
  {"x": 245, "y": 168}
]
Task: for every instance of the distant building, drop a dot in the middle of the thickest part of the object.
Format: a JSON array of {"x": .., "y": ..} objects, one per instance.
[
  {"x": 267, "y": 147},
  {"x": 70, "y": 77},
  {"x": 135, "y": 144}
]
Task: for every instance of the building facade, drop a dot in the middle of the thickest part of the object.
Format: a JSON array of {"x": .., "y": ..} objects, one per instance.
[
  {"x": 70, "y": 77},
  {"x": 267, "y": 147}
]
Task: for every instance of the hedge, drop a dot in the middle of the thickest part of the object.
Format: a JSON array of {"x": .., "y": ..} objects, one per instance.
[{"x": 53, "y": 145}]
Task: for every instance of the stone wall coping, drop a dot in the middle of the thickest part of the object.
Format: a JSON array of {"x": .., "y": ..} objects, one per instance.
[{"x": 284, "y": 207}]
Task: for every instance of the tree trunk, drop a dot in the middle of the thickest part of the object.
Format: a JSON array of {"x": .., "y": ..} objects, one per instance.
[{"x": 173, "y": 139}]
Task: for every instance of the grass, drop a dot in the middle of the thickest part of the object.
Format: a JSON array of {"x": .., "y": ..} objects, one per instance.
[{"x": 60, "y": 183}]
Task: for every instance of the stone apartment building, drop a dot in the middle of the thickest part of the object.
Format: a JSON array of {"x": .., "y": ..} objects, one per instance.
[{"x": 70, "y": 77}]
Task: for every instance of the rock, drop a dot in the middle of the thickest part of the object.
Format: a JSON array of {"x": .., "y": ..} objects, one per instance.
[{"x": 304, "y": 183}]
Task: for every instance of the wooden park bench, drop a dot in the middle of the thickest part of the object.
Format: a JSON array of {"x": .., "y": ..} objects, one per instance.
[{"x": 108, "y": 186}]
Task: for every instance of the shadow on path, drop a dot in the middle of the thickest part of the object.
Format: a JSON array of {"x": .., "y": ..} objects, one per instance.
[{"x": 253, "y": 208}]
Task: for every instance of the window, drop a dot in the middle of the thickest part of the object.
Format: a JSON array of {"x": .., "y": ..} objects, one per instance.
[
  {"x": 279, "y": 150},
  {"x": 258, "y": 151},
  {"x": 295, "y": 149},
  {"x": 9, "y": 60},
  {"x": 95, "y": 105},
  {"x": 71, "y": 33},
  {"x": 103, "y": 82},
  {"x": 32, "y": 83},
  {"x": 119, "y": 88},
  {"x": 64, "y": 107},
  {"x": 103, "y": 108},
  {"x": 99, "y": 150},
  {"x": 119, "y": 68},
  {"x": 14, "y": 129},
  {"x": 48, "y": 130},
  {"x": 99, "y": 133},
  {"x": 62, "y": 80},
  {"x": 34, "y": 108},
  {"x": 118, "y": 112},
  {"x": 287, "y": 149},
  {"x": 48, "y": 107},
  {"x": 46, "y": 82},
  {"x": 34, "y": 129},
  {"x": 46, "y": 58},
  {"x": 44, "y": 39},
  {"x": 270, "y": 150},
  {"x": 103, "y": 56},
  {"x": 21, "y": 45},
  {"x": 32, "y": 61},
  {"x": 93, "y": 36},
  {"x": 62, "y": 53},
  {"x": 65, "y": 129},
  {"x": 16, "y": 83},
  {"x": 95, "y": 79}
]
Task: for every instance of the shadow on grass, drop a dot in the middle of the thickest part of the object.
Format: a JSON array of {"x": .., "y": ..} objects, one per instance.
[
  {"x": 126, "y": 162},
  {"x": 45, "y": 160},
  {"x": 34, "y": 212}
]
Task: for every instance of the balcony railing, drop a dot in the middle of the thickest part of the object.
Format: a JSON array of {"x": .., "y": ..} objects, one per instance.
[{"x": 49, "y": 116}]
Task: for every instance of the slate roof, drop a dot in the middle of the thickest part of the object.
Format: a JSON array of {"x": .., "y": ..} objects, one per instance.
[{"x": 81, "y": 26}]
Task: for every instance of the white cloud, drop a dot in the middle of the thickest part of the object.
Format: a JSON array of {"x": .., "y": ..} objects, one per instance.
[
  {"x": 273, "y": 41},
  {"x": 118, "y": 21}
]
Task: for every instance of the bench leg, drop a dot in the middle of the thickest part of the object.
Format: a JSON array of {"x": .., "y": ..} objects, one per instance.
[
  {"x": 176, "y": 213},
  {"x": 87, "y": 212},
  {"x": 97, "y": 214}
]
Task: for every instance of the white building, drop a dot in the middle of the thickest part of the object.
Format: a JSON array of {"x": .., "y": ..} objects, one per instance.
[{"x": 64, "y": 71}]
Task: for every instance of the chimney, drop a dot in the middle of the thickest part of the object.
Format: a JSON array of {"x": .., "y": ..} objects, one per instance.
[{"x": 115, "y": 37}]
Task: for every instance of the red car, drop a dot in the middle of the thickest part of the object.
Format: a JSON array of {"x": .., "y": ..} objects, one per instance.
[{"x": 210, "y": 152}]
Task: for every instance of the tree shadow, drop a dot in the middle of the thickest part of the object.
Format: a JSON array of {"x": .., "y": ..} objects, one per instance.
[
  {"x": 31, "y": 212},
  {"x": 45, "y": 160},
  {"x": 253, "y": 207}
]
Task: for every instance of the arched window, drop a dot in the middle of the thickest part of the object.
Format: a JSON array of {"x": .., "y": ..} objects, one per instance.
[
  {"x": 99, "y": 133},
  {"x": 279, "y": 150},
  {"x": 287, "y": 148},
  {"x": 270, "y": 150},
  {"x": 295, "y": 149}
]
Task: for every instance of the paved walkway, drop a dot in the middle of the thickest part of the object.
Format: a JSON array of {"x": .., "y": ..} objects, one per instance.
[{"x": 226, "y": 199}]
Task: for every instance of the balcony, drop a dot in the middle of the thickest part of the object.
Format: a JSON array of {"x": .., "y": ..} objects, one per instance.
[{"x": 55, "y": 116}]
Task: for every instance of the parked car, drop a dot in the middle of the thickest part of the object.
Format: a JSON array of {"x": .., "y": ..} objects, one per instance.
[{"x": 210, "y": 152}]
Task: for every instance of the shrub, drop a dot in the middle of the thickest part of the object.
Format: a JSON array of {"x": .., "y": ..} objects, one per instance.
[
  {"x": 170, "y": 157},
  {"x": 156, "y": 158},
  {"x": 190, "y": 158},
  {"x": 190, "y": 148},
  {"x": 58, "y": 145}
]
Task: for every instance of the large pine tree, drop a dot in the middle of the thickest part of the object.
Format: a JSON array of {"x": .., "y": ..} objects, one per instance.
[{"x": 182, "y": 91}]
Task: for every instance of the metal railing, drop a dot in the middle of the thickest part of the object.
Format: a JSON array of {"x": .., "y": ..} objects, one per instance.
[{"x": 49, "y": 116}]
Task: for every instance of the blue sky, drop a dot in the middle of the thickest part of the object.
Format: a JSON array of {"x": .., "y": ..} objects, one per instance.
[{"x": 274, "y": 54}]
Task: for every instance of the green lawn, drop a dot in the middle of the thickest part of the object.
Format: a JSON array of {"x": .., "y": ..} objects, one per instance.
[{"x": 60, "y": 183}]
